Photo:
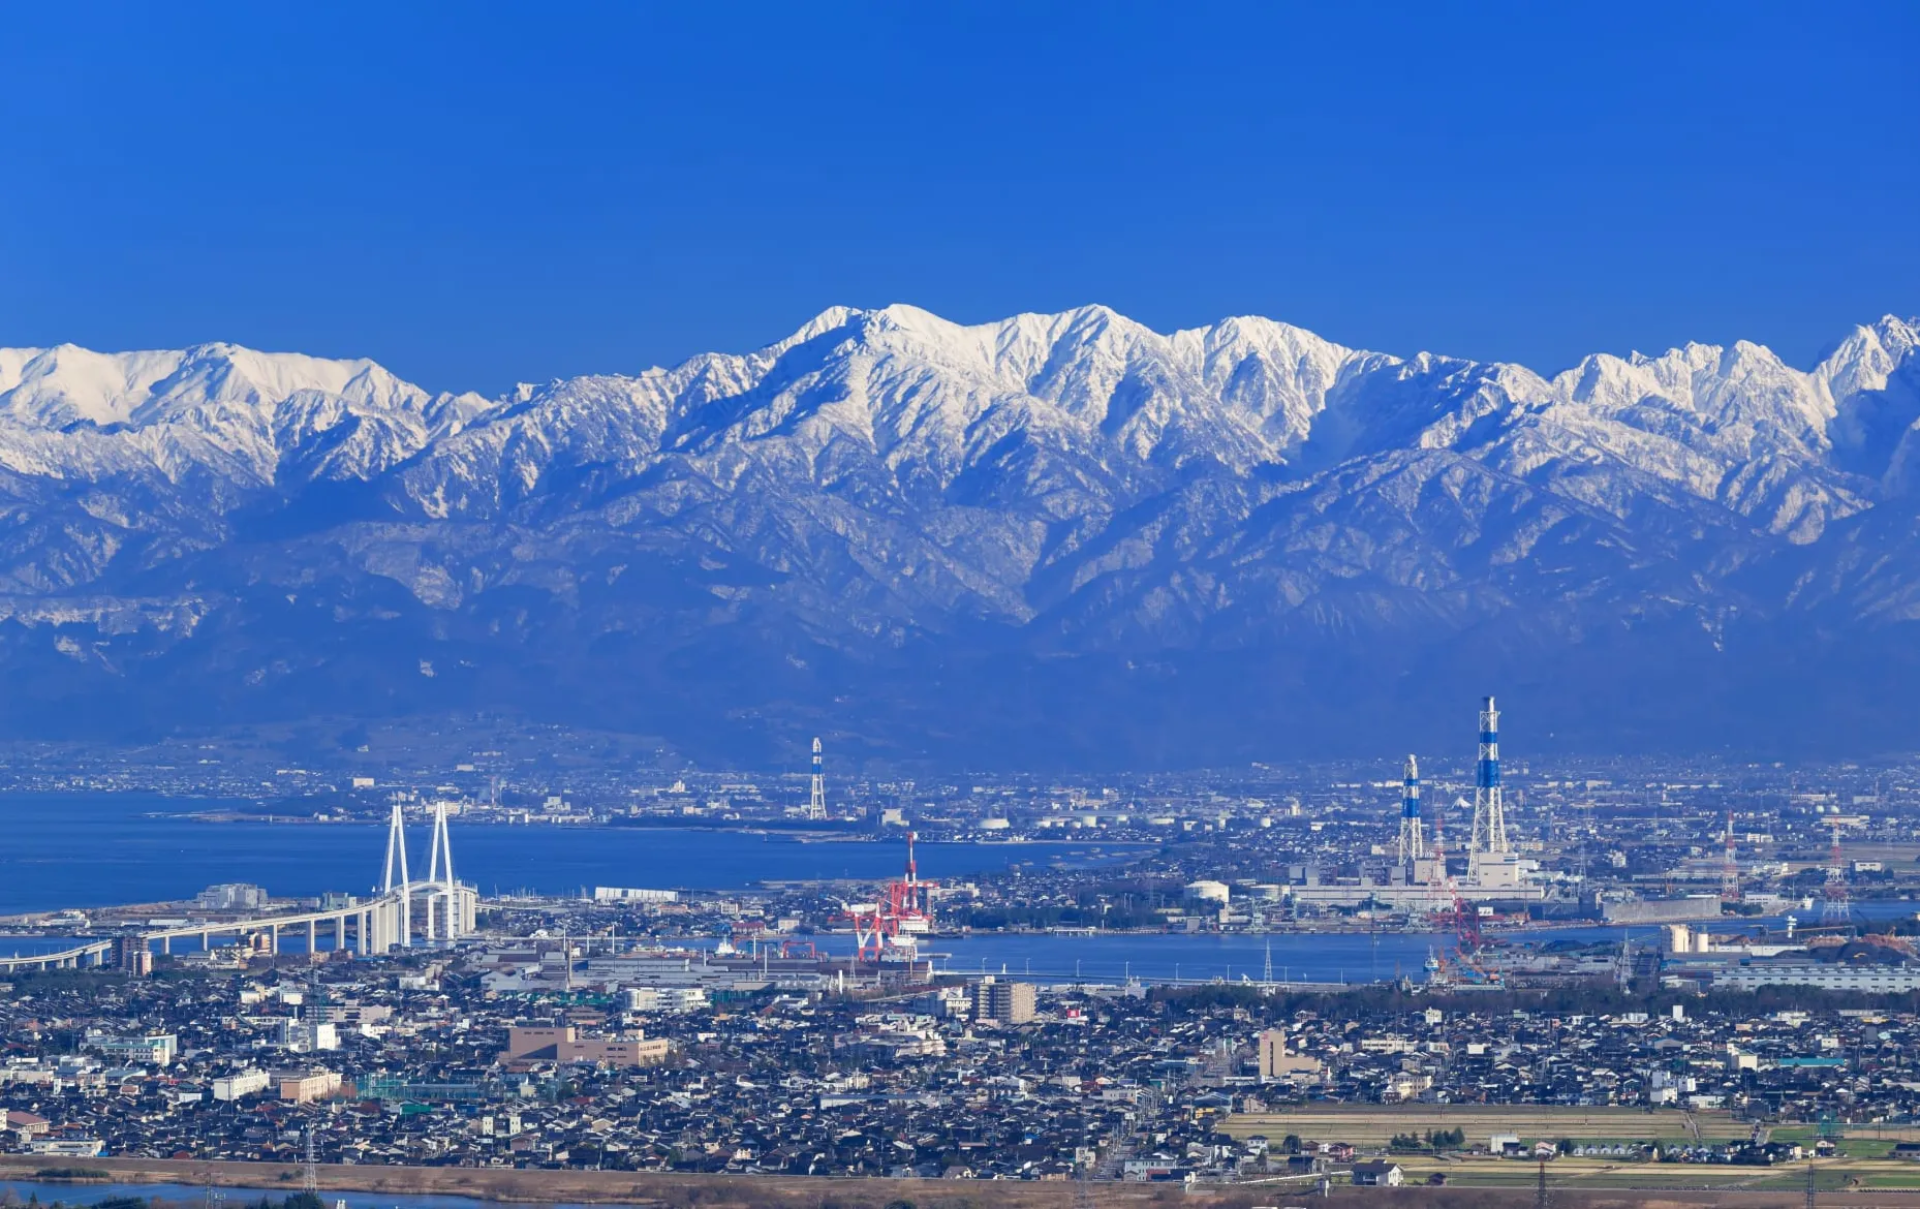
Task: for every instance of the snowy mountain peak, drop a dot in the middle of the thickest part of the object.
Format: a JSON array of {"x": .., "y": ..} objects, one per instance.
[
  {"x": 954, "y": 529},
  {"x": 940, "y": 402},
  {"x": 64, "y": 385},
  {"x": 1863, "y": 361}
]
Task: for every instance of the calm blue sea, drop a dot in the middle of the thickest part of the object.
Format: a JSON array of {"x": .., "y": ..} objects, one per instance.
[
  {"x": 84, "y": 850},
  {"x": 91, "y": 850}
]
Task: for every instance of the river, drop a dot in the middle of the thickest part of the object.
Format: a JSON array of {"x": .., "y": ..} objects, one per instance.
[{"x": 80, "y": 1194}]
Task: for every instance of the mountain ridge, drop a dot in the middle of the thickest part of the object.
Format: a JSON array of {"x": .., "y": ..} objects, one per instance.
[{"x": 824, "y": 532}]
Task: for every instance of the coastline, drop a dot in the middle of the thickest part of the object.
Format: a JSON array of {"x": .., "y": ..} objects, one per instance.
[{"x": 807, "y": 835}]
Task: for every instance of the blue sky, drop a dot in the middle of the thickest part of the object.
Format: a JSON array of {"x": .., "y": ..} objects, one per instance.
[{"x": 481, "y": 194}]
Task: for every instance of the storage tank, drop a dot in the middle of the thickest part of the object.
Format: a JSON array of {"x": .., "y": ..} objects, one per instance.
[{"x": 1216, "y": 893}]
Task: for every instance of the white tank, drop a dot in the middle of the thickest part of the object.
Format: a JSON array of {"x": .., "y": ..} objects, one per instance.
[{"x": 1207, "y": 892}]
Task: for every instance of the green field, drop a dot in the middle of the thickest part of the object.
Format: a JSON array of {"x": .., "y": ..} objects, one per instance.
[
  {"x": 1373, "y": 1125},
  {"x": 1864, "y": 1160},
  {"x": 1564, "y": 1173}
]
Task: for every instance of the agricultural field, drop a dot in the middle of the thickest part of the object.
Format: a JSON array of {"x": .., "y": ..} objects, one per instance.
[
  {"x": 1569, "y": 1174},
  {"x": 1372, "y": 1126},
  {"x": 1864, "y": 1161}
]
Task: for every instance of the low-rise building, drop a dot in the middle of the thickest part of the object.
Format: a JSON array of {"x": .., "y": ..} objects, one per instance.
[
  {"x": 304, "y": 1087},
  {"x": 1277, "y": 1065},
  {"x": 72, "y": 1148},
  {"x": 240, "y": 1086},
  {"x": 157, "y": 1048},
  {"x": 663, "y": 999},
  {"x": 563, "y": 1044},
  {"x": 308, "y": 1036},
  {"x": 1379, "y": 1174}
]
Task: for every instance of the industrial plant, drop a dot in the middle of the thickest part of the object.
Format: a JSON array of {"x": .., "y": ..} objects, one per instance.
[{"x": 1420, "y": 879}]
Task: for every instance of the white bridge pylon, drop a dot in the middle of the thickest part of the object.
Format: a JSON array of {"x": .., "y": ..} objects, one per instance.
[
  {"x": 397, "y": 847},
  {"x": 446, "y": 907},
  {"x": 455, "y": 902}
]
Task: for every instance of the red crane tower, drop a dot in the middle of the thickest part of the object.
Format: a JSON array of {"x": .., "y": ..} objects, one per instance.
[
  {"x": 1455, "y": 915},
  {"x": 893, "y": 924}
]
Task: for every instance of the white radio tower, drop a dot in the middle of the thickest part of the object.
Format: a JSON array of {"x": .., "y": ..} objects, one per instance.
[
  {"x": 1413, "y": 840},
  {"x": 817, "y": 799},
  {"x": 397, "y": 849},
  {"x": 1489, "y": 813}
]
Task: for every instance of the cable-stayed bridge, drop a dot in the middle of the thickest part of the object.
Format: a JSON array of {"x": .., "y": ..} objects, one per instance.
[{"x": 399, "y": 914}]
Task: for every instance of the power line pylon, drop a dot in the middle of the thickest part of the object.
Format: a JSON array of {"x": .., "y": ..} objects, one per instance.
[
  {"x": 1729, "y": 868},
  {"x": 1083, "y": 1191},
  {"x": 1835, "y": 907}
]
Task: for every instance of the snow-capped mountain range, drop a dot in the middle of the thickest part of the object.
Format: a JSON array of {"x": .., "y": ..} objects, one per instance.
[{"x": 1049, "y": 539}]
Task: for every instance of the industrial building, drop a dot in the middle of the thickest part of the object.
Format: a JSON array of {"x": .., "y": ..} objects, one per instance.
[
  {"x": 231, "y": 896},
  {"x": 621, "y": 894},
  {"x": 1866, "y": 979},
  {"x": 1689, "y": 908}
]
